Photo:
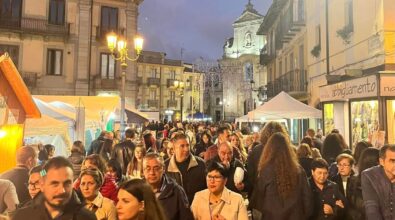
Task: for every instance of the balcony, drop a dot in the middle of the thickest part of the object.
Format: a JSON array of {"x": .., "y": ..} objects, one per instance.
[
  {"x": 101, "y": 32},
  {"x": 153, "y": 81},
  {"x": 170, "y": 83},
  {"x": 172, "y": 103},
  {"x": 30, "y": 79},
  {"x": 153, "y": 103},
  {"x": 34, "y": 26},
  {"x": 105, "y": 84},
  {"x": 265, "y": 58},
  {"x": 293, "y": 82}
]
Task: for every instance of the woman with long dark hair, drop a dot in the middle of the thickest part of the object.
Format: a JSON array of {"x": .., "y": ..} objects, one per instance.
[
  {"x": 204, "y": 143},
  {"x": 369, "y": 158},
  {"x": 282, "y": 188},
  {"x": 138, "y": 202},
  {"x": 135, "y": 166}
]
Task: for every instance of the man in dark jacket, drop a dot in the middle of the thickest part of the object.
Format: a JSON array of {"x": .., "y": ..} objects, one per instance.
[
  {"x": 327, "y": 199},
  {"x": 169, "y": 193},
  {"x": 26, "y": 158},
  {"x": 96, "y": 144},
  {"x": 123, "y": 152},
  {"x": 57, "y": 199},
  {"x": 187, "y": 170},
  {"x": 223, "y": 136}
]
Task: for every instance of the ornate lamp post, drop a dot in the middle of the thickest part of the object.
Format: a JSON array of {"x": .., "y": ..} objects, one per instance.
[{"x": 113, "y": 42}]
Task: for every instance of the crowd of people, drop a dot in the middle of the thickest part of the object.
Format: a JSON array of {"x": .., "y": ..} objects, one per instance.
[{"x": 204, "y": 172}]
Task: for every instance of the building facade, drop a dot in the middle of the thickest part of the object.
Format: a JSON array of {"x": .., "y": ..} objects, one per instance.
[
  {"x": 352, "y": 74},
  {"x": 59, "y": 46},
  {"x": 169, "y": 87},
  {"x": 243, "y": 78}
]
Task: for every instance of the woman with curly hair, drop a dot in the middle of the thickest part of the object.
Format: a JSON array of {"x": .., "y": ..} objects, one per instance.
[{"x": 282, "y": 188}]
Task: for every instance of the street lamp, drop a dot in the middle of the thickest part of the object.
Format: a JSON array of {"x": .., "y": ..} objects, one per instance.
[
  {"x": 113, "y": 42},
  {"x": 179, "y": 86}
]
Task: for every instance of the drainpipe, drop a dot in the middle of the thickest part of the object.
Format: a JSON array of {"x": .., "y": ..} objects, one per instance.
[
  {"x": 327, "y": 36},
  {"x": 90, "y": 49}
]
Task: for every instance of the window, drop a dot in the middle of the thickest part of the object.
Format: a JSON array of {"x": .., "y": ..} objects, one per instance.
[
  {"x": 248, "y": 71},
  {"x": 217, "y": 101},
  {"x": 280, "y": 68},
  {"x": 109, "y": 20},
  {"x": 54, "y": 62},
  {"x": 172, "y": 74},
  {"x": 153, "y": 72},
  {"x": 349, "y": 14},
  {"x": 172, "y": 95},
  {"x": 107, "y": 66},
  {"x": 56, "y": 12},
  {"x": 152, "y": 94},
  {"x": 11, "y": 9},
  {"x": 318, "y": 35},
  {"x": 285, "y": 65},
  {"x": 291, "y": 61},
  {"x": 12, "y": 50}
]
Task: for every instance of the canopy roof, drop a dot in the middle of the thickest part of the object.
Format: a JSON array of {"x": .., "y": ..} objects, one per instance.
[
  {"x": 11, "y": 74},
  {"x": 284, "y": 106}
]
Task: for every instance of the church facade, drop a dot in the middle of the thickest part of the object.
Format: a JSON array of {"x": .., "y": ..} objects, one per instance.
[{"x": 243, "y": 77}]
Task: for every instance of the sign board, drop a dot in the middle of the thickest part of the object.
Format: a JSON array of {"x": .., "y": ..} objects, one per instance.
[
  {"x": 387, "y": 85},
  {"x": 351, "y": 89}
]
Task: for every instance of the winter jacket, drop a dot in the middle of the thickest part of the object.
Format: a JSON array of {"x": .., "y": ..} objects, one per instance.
[
  {"x": 76, "y": 160},
  {"x": 123, "y": 153},
  {"x": 19, "y": 176},
  {"x": 74, "y": 210},
  {"x": 174, "y": 200},
  {"x": 356, "y": 208},
  {"x": 297, "y": 206},
  {"x": 378, "y": 194},
  {"x": 345, "y": 214},
  {"x": 328, "y": 195},
  {"x": 195, "y": 178},
  {"x": 8, "y": 196}
]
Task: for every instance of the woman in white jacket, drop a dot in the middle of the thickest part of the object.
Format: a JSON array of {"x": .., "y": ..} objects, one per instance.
[{"x": 217, "y": 202}]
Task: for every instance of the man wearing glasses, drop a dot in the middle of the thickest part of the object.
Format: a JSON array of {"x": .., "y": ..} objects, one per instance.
[{"x": 169, "y": 193}]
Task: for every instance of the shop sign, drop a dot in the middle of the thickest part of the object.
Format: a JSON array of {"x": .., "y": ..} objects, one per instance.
[
  {"x": 387, "y": 85},
  {"x": 351, "y": 89}
]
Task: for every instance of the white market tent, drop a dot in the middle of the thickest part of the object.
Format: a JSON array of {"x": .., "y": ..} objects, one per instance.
[{"x": 283, "y": 106}]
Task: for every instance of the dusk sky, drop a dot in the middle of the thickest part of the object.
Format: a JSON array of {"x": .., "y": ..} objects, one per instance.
[{"x": 199, "y": 26}]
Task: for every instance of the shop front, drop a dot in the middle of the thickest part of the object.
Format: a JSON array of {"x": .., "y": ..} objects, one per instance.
[{"x": 361, "y": 109}]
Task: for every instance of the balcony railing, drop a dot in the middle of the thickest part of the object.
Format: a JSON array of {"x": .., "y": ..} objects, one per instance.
[
  {"x": 294, "y": 81},
  {"x": 153, "y": 103},
  {"x": 172, "y": 103},
  {"x": 34, "y": 26},
  {"x": 170, "y": 83},
  {"x": 105, "y": 84},
  {"x": 153, "y": 81},
  {"x": 101, "y": 32},
  {"x": 30, "y": 79}
]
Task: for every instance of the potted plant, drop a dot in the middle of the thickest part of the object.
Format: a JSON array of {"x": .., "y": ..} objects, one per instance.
[
  {"x": 316, "y": 50},
  {"x": 345, "y": 33}
]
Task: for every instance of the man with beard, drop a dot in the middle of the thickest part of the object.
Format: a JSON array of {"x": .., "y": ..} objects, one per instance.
[{"x": 57, "y": 200}]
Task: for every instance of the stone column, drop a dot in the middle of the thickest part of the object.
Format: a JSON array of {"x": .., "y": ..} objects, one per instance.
[
  {"x": 81, "y": 85},
  {"x": 131, "y": 71}
]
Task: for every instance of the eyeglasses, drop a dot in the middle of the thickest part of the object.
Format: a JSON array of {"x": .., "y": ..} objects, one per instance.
[
  {"x": 34, "y": 185},
  {"x": 155, "y": 169},
  {"x": 214, "y": 178},
  {"x": 343, "y": 165}
]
